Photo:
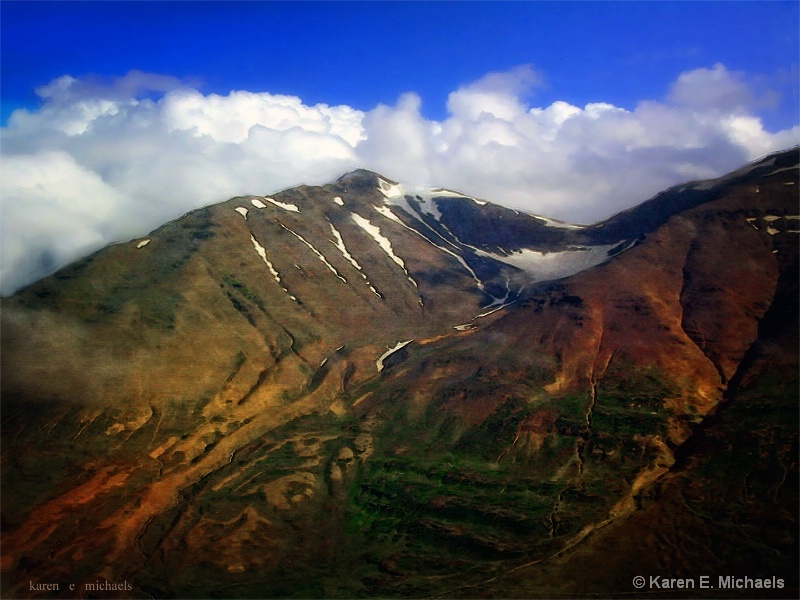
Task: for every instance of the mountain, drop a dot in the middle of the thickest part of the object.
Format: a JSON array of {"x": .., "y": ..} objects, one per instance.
[{"x": 374, "y": 389}]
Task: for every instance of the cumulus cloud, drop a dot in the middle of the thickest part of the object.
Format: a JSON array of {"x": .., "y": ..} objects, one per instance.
[
  {"x": 714, "y": 89},
  {"x": 67, "y": 88},
  {"x": 497, "y": 95},
  {"x": 579, "y": 163},
  {"x": 107, "y": 161}
]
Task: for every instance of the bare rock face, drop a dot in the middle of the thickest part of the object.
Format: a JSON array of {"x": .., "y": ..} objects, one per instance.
[{"x": 372, "y": 389}]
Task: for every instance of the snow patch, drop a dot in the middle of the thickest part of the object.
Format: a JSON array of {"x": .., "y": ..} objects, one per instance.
[
  {"x": 783, "y": 170},
  {"x": 543, "y": 265},
  {"x": 389, "y": 190},
  {"x": 316, "y": 252},
  {"x": 338, "y": 200},
  {"x": 387, "y": 212},
  {"x": 258, "y": 203},
  {"x": 382, "y": 241},
  {"x": 242, "y": 211},
  {"x": 389, "y": 352},
  {"x": 445, "y": 193},
  {"x": 143, "y": 243},
  {"x": 494, "y": 310},
  {"x": 471, "y": 325},
  {"x": 548, "y": 222},
  {"x": 262, "y": 252},
  {"x": 546, "y": 266},
  {"x": 501, "y": 301},
  {"x": 425, "y": 197},
  {"x": 339, "y": 243},
  {"x": 283, "y": 205}
]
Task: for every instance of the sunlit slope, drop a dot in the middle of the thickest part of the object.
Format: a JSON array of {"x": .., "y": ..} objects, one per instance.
[
  {"x": 533, "y": 435},
  {"x": 372, "y": 389}
]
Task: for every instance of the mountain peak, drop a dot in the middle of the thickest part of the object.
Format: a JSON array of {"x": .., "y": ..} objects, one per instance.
[
  {"x": 361, "y": 174},
  {"x": 372, "y": 388}
]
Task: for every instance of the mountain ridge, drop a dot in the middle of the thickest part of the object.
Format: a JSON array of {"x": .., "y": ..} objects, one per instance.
[{"x": 325, "y": 391}]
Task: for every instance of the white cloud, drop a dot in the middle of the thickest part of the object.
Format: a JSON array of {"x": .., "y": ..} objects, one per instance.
[
  {"x": 230, "y": 118},
  {"x": 497, "y": 95},
  {"x": 106, "y": 161},
  {"x": 577, "y": 163},
  {"x": 66, "y": 88},
  {"x": 54, "y": 211},
  {"x": 716, "y": 89},
  {"x": 398, "y": 135}
]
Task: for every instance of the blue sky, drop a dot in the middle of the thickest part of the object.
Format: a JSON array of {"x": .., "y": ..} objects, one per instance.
[
  {"x": 365, "y": 53},
  {"x": 118, "y": 116}
]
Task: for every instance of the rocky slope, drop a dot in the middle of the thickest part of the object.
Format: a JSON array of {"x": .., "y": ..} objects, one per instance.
[{"x": 371, "y": 389}]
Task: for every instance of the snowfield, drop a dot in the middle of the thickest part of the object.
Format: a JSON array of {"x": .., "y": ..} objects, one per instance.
[{"x": 544, "y": 266}]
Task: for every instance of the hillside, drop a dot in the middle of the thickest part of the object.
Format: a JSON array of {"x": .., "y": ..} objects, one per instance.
[{"x": 369, "y": 389}]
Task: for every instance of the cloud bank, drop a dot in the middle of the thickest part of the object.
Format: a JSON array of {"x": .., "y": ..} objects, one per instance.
[{"x": 102, "y": 162}]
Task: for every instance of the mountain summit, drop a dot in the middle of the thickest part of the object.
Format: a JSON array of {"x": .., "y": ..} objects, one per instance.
[{"x": 375, "y": 389}]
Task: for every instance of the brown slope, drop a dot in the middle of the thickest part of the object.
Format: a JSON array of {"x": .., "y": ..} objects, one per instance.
[
  {"x": 199, "y": 289},
  {"x": 227, "y": 443},
  {"x": 686, "y": 302},
  {"x": 728, "y": 506},
  {"x": 581, "y": 396},
  {"x": 148, "y": 367}
]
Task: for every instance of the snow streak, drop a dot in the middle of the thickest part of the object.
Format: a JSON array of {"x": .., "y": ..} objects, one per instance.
[
  {"x": 262, "y": 252},
  {"x": 387, "y": 212},
  {"x": 382, "y": 241},
  {"x": 315, "y": 251},
  {"x": 339, "y": 243},
  {"x": 389, "y": 352},
  {"x": 283, "y": 205}
]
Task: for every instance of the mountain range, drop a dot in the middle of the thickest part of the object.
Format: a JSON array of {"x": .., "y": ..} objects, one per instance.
[{"x": 372, "y": 389}]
